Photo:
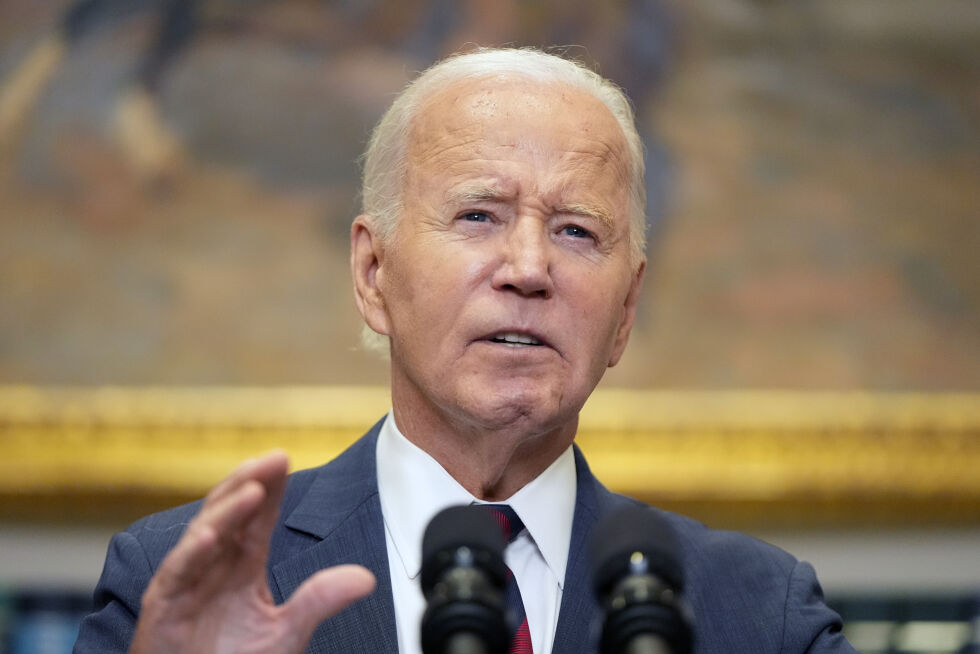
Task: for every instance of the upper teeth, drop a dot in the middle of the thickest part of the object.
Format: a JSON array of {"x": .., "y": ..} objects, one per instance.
[{"x": 514, "y": 337}]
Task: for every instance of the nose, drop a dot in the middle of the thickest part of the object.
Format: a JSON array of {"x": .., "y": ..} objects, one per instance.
[{"x": 525, "y": 265}]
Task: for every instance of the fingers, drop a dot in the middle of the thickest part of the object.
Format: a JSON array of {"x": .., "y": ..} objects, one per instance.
[
  {"x": 236, "y": 519},
  {"x": 215, "y": 577},
  {"x": 325, "y": 594},
  {"x": 264, "y": 470},
  {"x": 272, "y": 471},
  {"x": 209, "y": 536},
  {"x": 269, "y": 474}
]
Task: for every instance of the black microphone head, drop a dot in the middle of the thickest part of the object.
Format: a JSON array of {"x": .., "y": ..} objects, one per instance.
[
  {"x": 458, "y": 527},
  {"x": 622, "y": 533},
  {"x": 463, "y": 579},
  {"x": 638, "y": 579}
]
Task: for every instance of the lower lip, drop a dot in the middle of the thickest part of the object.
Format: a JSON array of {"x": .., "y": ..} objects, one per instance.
[{"x": 516, "y": 348}]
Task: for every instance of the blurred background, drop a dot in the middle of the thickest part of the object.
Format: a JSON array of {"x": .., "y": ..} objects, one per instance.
[{"x": 177, "y": 179}]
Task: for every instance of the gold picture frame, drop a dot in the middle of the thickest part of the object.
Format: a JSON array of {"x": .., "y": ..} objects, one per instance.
[{"x": 733, "y": 459}]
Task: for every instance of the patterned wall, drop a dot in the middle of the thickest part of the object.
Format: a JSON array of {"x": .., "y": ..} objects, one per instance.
[{"x": 182, "y": 220}]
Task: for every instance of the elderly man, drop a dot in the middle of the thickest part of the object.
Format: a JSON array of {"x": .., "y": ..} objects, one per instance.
[{"x": 501, "y": 253}]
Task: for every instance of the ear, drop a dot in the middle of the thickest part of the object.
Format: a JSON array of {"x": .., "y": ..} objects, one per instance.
[
  {"x": 629, "y": 315},
  {"x": 366, "y": 260}
]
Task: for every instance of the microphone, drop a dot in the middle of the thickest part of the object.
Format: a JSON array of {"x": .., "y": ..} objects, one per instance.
[
  {"x": 463, "y": 580},
  {"x": 638, "y": 581}
]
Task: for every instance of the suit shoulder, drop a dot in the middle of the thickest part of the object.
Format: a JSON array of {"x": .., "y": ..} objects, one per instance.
[
  {"x": 702, "y": 545},
  {"x": 715, "y": 555},
  {"x": 158, "y": 532},
  {"x": 739, "y": 588}
]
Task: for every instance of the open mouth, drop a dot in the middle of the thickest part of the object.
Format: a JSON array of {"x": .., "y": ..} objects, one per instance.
[{"x": 515, "y": 339}]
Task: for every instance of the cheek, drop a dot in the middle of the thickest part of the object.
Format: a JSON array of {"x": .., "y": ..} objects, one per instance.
[
  {"x": 447, "y": 275},
  {"x": 421, "y": 298},
  {"x": 599, "y": 315},
  {"x": 398, "y": 292}
]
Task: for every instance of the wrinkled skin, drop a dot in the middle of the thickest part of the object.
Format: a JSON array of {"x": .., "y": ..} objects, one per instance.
[{"x": 515, "y": 223}]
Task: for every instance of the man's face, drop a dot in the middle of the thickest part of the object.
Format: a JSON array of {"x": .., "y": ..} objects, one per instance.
[{"x": 507, "y": 288}]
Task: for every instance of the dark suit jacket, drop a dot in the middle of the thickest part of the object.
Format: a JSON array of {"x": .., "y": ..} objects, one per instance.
[{"x": 747, "y": 596}]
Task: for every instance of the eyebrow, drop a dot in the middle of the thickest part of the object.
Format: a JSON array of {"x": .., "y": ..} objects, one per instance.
[
  {"x": 491, "y": 194},
  {"x": 476, "y": 194}
]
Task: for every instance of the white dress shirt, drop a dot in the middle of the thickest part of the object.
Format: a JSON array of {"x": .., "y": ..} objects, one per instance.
[{"x": 413, "y": 487}]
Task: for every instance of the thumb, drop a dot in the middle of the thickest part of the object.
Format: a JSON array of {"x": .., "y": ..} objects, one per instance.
[{"x": 325, "y": 594}]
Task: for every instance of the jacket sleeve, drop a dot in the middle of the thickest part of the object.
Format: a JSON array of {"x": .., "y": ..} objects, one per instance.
[
  {"x": 810, "y": 626},
  {"x": 127, "y": 572}
]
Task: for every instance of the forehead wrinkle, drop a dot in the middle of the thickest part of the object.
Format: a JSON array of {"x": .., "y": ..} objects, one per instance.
[
  {"x": 437, "y": 143},
  {"x": 606, "y": 155},
  {"x": 423, "y": 149}
]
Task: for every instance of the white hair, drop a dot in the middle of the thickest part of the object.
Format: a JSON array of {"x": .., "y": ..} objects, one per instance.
[{"x": 386, "y": 157}]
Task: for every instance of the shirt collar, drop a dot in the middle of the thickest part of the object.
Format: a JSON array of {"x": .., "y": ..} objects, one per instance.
[{"x": 413, "y": 487}]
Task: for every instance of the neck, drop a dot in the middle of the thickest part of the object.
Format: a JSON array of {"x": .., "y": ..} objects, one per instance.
[{"x": 492, "y": 463}]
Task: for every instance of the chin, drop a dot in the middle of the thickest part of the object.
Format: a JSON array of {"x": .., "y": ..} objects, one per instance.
[{"x": 523, "y": 406}]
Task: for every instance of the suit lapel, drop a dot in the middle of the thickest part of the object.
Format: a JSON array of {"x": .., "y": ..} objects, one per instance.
[
  {"x": 339, "y": 520},
  {"x": 579, "y": 617},
  {"x": 579, "y": 610}
]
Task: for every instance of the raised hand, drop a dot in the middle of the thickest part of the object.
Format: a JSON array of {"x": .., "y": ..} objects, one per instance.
[{"x": 210, "y": 594}]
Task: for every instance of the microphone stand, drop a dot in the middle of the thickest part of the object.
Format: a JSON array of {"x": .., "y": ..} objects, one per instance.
[
  {"x": 647, "y": 644},
  {"x": 466, "y": 642}
]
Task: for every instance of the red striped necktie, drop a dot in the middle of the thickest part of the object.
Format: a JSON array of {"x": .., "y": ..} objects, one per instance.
[{"x": 511, "y": 526}]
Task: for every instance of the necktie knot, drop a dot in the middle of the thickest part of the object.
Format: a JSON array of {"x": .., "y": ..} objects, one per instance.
[{"x": 510, "y": 524}]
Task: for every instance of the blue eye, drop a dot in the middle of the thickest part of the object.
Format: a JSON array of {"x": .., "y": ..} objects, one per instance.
[
  {"x": 475, "y": 217},
  {"x": 576, "y": 231}
]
